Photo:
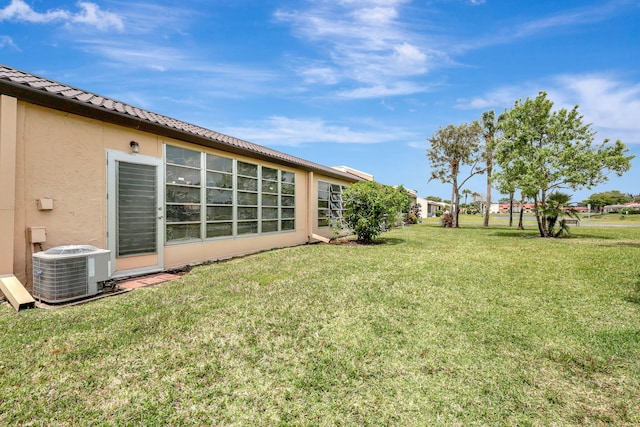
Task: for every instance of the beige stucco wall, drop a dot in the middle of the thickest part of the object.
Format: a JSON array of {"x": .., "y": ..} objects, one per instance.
[{"x": 62, "y": 156}]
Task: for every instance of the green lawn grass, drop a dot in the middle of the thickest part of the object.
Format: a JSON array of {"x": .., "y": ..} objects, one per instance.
[
  {"x": 529, "y": 219},
  {"x": 430, "y": 327}
]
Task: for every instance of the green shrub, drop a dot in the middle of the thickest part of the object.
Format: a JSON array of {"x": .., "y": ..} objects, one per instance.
[{"x": 371, "y": 208}]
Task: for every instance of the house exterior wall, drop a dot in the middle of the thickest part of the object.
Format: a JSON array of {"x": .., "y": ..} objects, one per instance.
[
  {"x": 62, "y": 156},
  {"x": 429, "y": 207}
]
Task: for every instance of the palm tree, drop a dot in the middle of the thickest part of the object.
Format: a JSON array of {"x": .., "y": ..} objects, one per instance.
[
  {"x": 466, "y": 193},
  {"x": 490, "y": 127},
  {"x": 558, "y": 205}
]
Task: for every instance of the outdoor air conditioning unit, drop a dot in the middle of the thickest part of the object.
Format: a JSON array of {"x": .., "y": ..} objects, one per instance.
[{"x": 66, "y": 273}]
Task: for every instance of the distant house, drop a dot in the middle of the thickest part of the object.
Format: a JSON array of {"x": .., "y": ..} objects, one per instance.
[
  {"x": 618, "y": 208},
  {"x": 158, "y": 193},
  {"x": 429, "y": 207},
  {"x": 517, "y": 207}
]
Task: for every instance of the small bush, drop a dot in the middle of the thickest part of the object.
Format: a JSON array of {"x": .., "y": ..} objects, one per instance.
[{"x": 447, "y": 220}]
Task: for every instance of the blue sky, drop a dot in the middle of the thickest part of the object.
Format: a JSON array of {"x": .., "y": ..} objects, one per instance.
[{"x": 343, "y": 82}]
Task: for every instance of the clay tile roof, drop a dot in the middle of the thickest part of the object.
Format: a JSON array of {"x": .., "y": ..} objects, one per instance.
[
  {"x": 49, "y": 93},
  {"x": 84, "y": 97}
]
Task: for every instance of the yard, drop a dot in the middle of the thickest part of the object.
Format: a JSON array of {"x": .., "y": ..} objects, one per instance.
[{"x": 432, "y": 326}]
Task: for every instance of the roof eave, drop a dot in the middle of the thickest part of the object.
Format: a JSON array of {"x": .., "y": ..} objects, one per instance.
[{"x": 45, "y": 99}]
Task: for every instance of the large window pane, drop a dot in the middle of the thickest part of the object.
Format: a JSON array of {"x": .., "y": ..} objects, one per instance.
[
  {"x": 184, "y": 176},
  {"x": 323, "y": 186},
  {"x": 247, "y": 199},
  {"x": 219, "y": 180},
  {"x": 180, "y": 194},
  {"x": 288, "y": 189},
  {"x": 221, "y": 164},
  {"x": 288, "y": 177},
  {"x": 182, "y": 156},
  {"x": 269, "y": 226},
  {"x": 270, "y": 187},
  {"x": 219, "y": 229},
  {"x": 270, "y": 174},
  {"x": 219, "y": 213},
  {"x": 219, "y": 197},
  {"x": 287, "y": 225},
  {"x": 288, "y": 201},
  {"x": 269, "y": 200},
  {"x": 288, "y": 213},
  {"x": 177, "y": 232},
  {"x": 269, "y": 213},
  {"x": 245, "y": 227},
  {"x": 247, "y": 184},
  {"x": 183, "y": 213},
  {"x": 247, "y": 213},
  {"x": 247, "y": 169}
]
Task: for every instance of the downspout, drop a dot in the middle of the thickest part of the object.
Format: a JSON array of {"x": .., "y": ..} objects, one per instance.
[{"x": 9, "y": 283}]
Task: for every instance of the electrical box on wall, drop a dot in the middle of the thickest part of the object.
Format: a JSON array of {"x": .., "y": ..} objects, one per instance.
[
  {"x": 45, "y": 204},
  {"x": 37, "y": 234}
]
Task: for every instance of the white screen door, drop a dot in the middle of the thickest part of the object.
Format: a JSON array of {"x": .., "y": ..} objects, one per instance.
[{"x": 135, "y": 213}]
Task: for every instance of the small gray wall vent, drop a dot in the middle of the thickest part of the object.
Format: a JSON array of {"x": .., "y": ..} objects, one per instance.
[{"x": 66, "y": 273}]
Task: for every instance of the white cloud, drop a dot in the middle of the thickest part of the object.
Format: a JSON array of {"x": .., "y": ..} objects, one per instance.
[
  {"x": 319, "y": 75},
  {"x": 6, "y": 41},
  {"x": 90, "y": 15},
  {"x": 381, "y": 91},
  {"x": 363, "y": 42},
  {"x": 285, "y": 131},
  {"x": 409, "y": 59},
  {"x": 611, "y": 104},
  {"x": 500, "y": 98},
  {"x": 18, "y": 10},
  {"x": 376, "y": 15},
  {"x": 509, "y": 32}
]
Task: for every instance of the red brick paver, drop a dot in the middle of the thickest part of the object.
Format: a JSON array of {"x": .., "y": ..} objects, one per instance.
[{"x": 154, "y": 279}]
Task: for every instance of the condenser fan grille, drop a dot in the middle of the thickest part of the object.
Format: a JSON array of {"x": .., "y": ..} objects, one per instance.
[{"x": 57, "y": 280}]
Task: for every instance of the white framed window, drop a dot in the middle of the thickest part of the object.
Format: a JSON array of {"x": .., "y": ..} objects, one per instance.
[
  {"x": 210, "y": 196},
  {"x": 183, "y": 197},
  {"x": 330, "y": 208}
]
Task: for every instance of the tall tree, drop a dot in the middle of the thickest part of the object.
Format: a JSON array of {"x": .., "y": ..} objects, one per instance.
[
  {"x": 543, "y": 151},
  {"x": 489, "y": 129},
  {"x": 615, "y": 197},
  {"x": 466, "y": 193},
  {"x": 452, "y": 149}
]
